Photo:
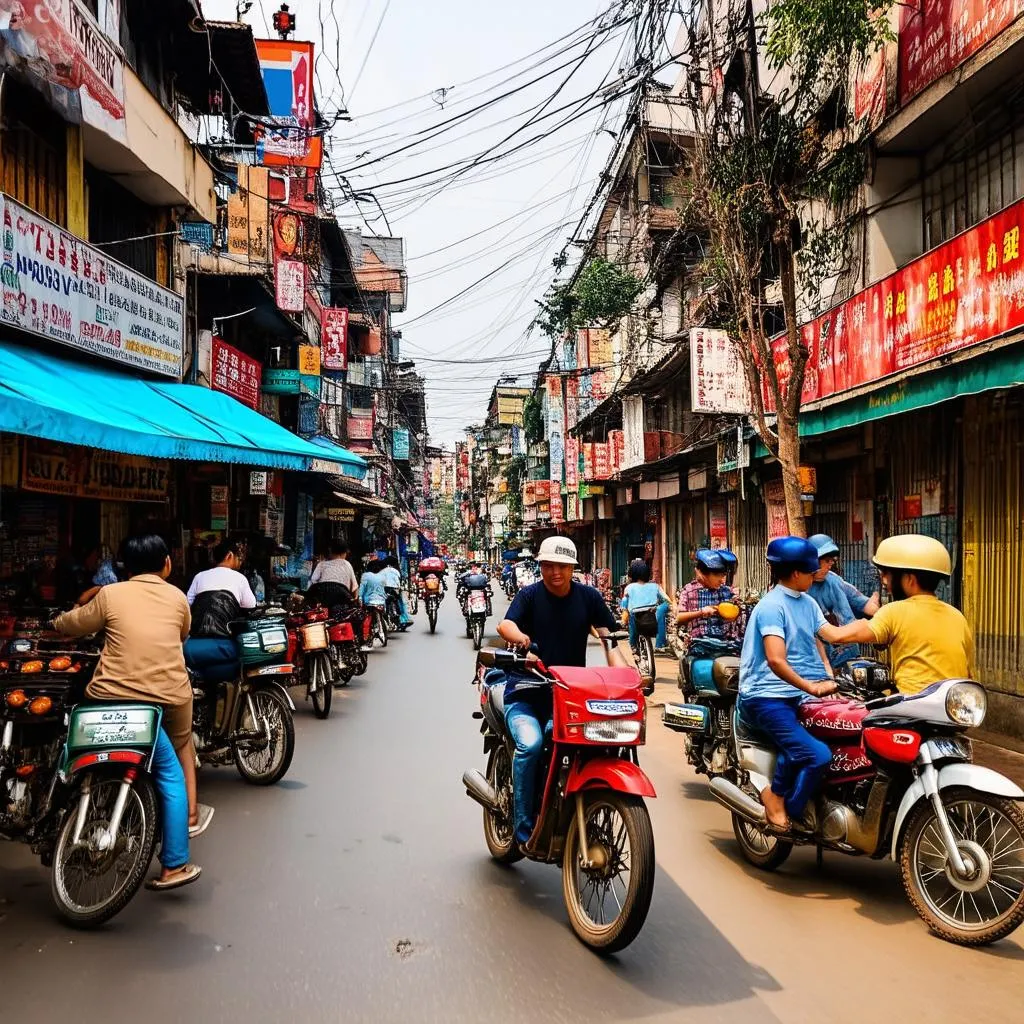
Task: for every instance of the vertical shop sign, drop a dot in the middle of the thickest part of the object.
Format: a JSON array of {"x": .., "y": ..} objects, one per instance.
[
  {"x": 236, "y": 374},
  {"x": 258, "y": 483},
  {"x": 290, "y": 282},
  {"x": 775, "y": 505},
  {"x": 556, "y": 427},
  {"x": 218, "y": 507},
  {"x": 718, "y": 525},
  {"x": 572, "y": 462},
  {"x": 717, "y": 381},
  {"x": 602, "y": 468},
  {"x": 400, "y": 444},
  {"x": 309, "y": 360},
  {"x": 248, "y": 215},
  {"x": 334, "y": 338},
  {"x": 633, "y": 431}
]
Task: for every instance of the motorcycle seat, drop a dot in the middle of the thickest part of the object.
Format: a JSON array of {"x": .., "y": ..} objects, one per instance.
[
  {"x": 725, "y": 672},
  {"x": 496, "y": 699}
]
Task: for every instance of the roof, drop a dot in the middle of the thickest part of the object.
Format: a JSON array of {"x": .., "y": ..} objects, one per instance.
[{"x": 225, "y": 51}]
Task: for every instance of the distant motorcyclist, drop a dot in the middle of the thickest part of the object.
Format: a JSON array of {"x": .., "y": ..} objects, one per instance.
[
  {"x": 557, "y": 615},
  {"x": 928, "y": 640}
]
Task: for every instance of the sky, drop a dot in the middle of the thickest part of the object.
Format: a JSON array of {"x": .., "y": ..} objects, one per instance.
[{"x": 479, "y": 249}]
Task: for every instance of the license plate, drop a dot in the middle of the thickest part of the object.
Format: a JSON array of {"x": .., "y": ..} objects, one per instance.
[
  {"x": 477, "y": 603},
  {"x": 685, "y": 717},
  {"x": 945, "y": 746},
  {"x": 112, "y": 727}
]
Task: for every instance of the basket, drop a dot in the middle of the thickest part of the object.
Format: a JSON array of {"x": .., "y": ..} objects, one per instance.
[
  {"x": 314, "y": 636},
  {"x": 263, "y": 643},
  {"x": 646, "y": 621}
]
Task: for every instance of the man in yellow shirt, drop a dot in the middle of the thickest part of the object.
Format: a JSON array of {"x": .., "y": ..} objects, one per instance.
[{"x": 928, "y": 640}]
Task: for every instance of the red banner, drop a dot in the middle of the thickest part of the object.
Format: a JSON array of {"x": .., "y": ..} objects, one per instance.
[
  {"x": 588, "y": 460},
  {"x": 965, "y": 292},
  {"x": 334, "y": 338},
  {"x": 938, "y": 35},
  {"x": 236, "y": 374},
  {"x": 602, "y": 462}
]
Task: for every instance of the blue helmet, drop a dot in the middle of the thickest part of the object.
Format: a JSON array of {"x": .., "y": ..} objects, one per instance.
[
  {"x": 731, "y": 561},
  {"x": 825, "y": 545},
  {"x": 794, "y": 551},
  {"x": 711, "y": 561}
]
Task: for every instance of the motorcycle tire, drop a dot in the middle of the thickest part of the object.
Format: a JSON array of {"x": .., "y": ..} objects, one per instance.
[
  {"x": 624, "y": 927},
  {"x": 988, "y": 823},
  {"x": 380, "y": 630},
  {"x": 413, "y": 603},
  {"x": 343, "y": 676},
  {"x": 319, "y": 668},
  {"x": 140, "y": 816},
  {"x": 363, "y": 663},
  {"x": 282, "y": 731},
  {"x": 432, "y": 616},
  {"x": 469, "y": 628},
  {"x": 499, "y": 830},
  {"x": 760, "y": 848},
  {"x": 645, "y": 663},
  {"x": 478, "y": 634}
]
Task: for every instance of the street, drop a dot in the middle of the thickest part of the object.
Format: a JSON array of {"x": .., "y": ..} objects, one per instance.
[{"x": 359, "y": 889}]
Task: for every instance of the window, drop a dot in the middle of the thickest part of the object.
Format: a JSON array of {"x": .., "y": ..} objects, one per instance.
[{"x": 962, "y": 192}]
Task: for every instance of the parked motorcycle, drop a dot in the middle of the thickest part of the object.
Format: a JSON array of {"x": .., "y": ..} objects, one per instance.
[
  {"x": 900, "y": 784},
  {"x": 248, "y": 718},
  {"x": 309, "y": 651},
  {"x": 593, "y": 820},
  {"x": 348, "y": 632},
  {"x": 75, "y": 782}
]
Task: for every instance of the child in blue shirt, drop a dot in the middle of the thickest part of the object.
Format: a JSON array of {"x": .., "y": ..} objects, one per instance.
[{"x": 782, "y": 663}]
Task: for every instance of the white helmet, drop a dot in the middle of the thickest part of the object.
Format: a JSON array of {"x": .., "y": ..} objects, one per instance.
[{"x": 559, "y": 550}]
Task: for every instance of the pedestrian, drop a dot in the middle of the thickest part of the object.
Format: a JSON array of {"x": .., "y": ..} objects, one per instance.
[{"x": 145, "y": 621}]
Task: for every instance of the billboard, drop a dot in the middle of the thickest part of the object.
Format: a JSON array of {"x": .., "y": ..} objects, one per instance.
[
  {"x": 288, "y": 139},
  {"x": 248, "y": 215},
  {"x": 717, "y": 381}
]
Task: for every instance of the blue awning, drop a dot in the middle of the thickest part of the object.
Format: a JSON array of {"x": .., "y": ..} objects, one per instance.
[{"x": 45, "y": 396}]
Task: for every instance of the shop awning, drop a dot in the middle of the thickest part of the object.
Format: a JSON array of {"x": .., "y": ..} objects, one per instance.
[{"x": 45, "y": 396}]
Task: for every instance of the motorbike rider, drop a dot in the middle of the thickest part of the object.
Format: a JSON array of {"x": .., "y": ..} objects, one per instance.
[
  {"x": 640, "y": 592},
  {"x": 144, "y": 621},
  {"x": 391, "y": 574},
  {"x": 828, "y": 590},
  {"x": 928, "y": 640},
  {"x": 782, "y": 663},
  {"x": 828, "y": 580},
  {"x": 700, "y": 598},
  {"x": 335, "y": 569},
  {"x": 557, "y": 614}
]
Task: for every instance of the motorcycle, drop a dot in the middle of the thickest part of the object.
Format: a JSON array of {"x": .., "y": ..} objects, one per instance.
[
  {"x": 75, "y": 782},
  {"x": 248, "y": 717},
  {"x": 593, "y": 820},
  {"x": 309, "y": 649},
  {"x": 392, "y": 610},
  {"x": 476, "y": 607},
  {"x": 432, "y": 599},
  {"x": 645, "y": 622},
  {"x": 412, "y": 594},
  {"x": 901, "y": 783},
  {"x": 348, "y": 631}
]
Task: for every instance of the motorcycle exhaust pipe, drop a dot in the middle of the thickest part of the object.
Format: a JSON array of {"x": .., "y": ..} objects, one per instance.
[
  {"x": 731, "y": 796},
  {"x": 479, "y": 789}
]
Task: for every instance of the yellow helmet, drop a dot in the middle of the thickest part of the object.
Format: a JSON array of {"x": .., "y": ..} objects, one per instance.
[{"x": 910, "y": 551}]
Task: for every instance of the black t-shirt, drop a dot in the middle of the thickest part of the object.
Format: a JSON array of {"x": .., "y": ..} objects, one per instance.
[{"x": 560, "y": 626}]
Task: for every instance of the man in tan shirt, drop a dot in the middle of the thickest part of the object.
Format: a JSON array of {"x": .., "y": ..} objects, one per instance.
[{"x": 145, "y": 621}]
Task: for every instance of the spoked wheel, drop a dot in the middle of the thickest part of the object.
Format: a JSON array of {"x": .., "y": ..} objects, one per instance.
[
  {"x": 759, "y": 847},
  {"x": 379, "y": 629},
  {"x": 608, "y": 900},
  {"x": 322, "y": 689},
  {"x": 988, "y": 902},
  {"x": 91, "y": 884},
  {"x": 432, "y": 615},
  {"x": 414, "y": 601},
  {"x": 499, "y": 829},
  {"x": 644, "y": 652},
  {"x": 478, "y": 633},
  {"x": 264, "y": 761},
  {"x": 362, "y": 663}
]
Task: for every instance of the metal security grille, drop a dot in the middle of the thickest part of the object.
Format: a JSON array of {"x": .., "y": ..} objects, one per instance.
[
  {"x": 993, "y": 555},
  {"x": 751, "y": 533}
]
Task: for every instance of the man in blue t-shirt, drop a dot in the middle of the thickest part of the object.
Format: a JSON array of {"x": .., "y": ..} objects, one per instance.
[
  {"x": 557, "y": 615},
  {"x": 782, "y": 663}
]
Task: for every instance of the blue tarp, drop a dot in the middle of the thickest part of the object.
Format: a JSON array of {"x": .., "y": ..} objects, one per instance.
[{"x": 45, "y": 396}]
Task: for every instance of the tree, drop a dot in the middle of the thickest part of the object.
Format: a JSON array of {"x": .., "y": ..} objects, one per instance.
[{"x": 774, "y": 185}]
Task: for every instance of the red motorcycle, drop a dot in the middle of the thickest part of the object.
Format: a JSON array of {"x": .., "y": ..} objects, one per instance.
[
  {"x": 349, "y": 632},
  {"x": 593, "y": 820}
]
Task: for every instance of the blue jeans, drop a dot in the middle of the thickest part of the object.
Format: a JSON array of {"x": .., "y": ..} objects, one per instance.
[
  {"x": 802, "y": 760},
  {"x": 170, "y": 787},
  {"x": 528, "y": 733},
  {"x": 405, "y": 618},
  {"x": 215, "y": 659},
  {"x": 661, "y": 612}
]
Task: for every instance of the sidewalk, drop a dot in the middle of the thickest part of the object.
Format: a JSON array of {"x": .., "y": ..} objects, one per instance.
[{"x": 1000, "y": 759}]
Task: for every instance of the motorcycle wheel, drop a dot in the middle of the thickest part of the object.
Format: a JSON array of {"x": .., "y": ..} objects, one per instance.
[
  {"x": 81, "y": 869},
  {"x": 644, "y": 653},
  {"x": 263, "y": 766},
  {"x": 989, "y": 830},
  {"x": 478, "y": 633},
  {"x": 608, "y": 906},
  {"x": 432, "y": 615},
  {"x": 469, "y": 628},
  {"x": 413, "y": 603},
  {"x": 499, "y": 832},
  {"x": 380, "y": 630},
  {"x": 760, "y": 848},
  {"x": 320, "y": 672},
  {"x": 363, "y": 663}
]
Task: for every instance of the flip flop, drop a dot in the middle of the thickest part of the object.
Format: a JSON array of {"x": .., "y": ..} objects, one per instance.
[
  {"x": 779, "y": 830},
  {"x": 184, "y": 876},
  {"x": 205, "y": 812}
]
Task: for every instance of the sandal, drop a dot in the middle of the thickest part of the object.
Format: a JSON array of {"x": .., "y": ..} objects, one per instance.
[
  {"x": 205, "y": 815},
  {"x": 779, "y": 830},
  {"x": 182, "y": 876}
]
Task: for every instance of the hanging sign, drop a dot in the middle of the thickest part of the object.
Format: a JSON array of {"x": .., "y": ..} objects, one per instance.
[
  {"x": 218, "y": 508},
  {"x": 257, "y": 483},
  {"x": 717, "y": 381},
  {"x": 290, "y": 285},
  {"x": 236, "y": 374},
  {"x": 400, "y": 444},
  {"x": 289, "y": 139},
  {"x": 309, "y": 360},
  {"x": 334, "y": 338},
  {"x": 248, "y": 213}
]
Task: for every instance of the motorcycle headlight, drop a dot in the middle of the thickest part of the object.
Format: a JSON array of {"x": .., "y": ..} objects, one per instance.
[
  {"x": 966, "y": 704},
  {"x": 612, "y": 732}
]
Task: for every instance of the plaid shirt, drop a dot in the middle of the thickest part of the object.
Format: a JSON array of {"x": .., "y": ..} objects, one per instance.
[{"x": 695, "y": 596}]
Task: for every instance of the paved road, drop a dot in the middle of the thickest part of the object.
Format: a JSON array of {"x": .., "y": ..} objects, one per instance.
[{"x": 360, "y": 890}]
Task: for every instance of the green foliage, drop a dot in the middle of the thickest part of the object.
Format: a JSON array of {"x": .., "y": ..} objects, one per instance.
[
  {"x": 603, "y": 293},
  {"x": 533, "y": 419}
]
